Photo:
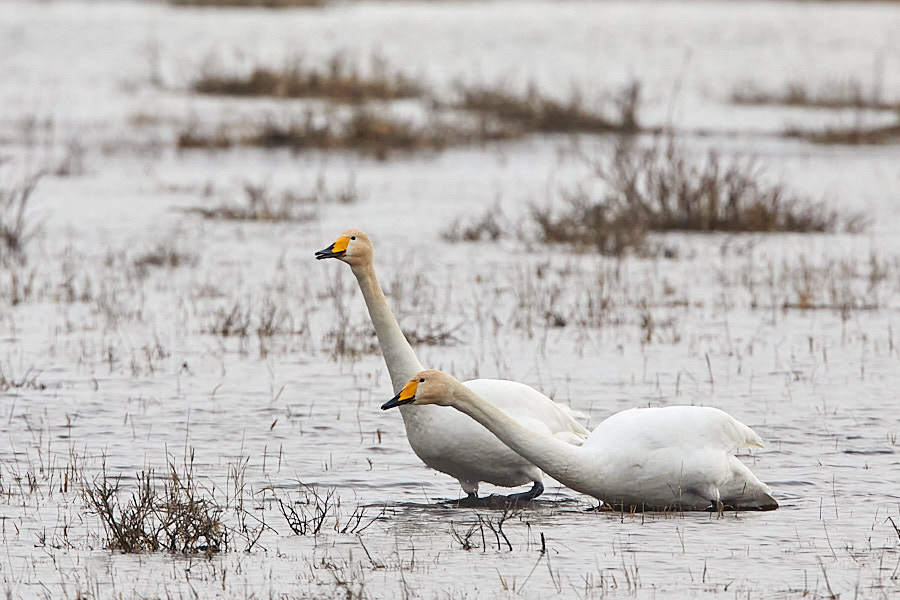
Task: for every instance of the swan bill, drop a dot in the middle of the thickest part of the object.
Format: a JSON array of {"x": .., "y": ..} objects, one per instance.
[
  {"x": 406, "y": 395},
  {"x": 335, "y": 250}
]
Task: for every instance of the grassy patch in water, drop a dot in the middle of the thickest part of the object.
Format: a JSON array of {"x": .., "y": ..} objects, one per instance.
[
  {"x": 260, "y": 203},
  {"x": 535, "y": 112},
  {"x": 839, "y": 95},
  {"x": 365, "y": 131},
  {"x": 852, "y": 135},
  {"x": 635, "y": 191},
  {"x": 662, "y": 188},
  {"x": 338, "y": 81}
]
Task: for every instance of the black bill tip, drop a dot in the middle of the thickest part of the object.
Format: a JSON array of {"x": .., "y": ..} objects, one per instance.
[
  {"x": 391, "y": 404},
  {"x": 328, "y": 253}
]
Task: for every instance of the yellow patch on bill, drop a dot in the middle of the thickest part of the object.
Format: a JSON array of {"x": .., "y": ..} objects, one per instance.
[
  {"x": 409, "y": 391},
  {"x": 340, "y": 244}
]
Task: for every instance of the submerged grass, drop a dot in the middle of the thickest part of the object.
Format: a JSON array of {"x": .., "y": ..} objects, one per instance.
[{"x": 338, "y": 81}]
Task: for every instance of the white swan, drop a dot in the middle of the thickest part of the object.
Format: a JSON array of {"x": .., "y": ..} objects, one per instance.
[
  {"x": 673, "y": 458},
  {"x": 444, "y": 439}
]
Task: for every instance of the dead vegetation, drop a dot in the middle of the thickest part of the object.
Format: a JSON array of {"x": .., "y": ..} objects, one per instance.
[
  {"x": 289, "y": 205},
  {"x": 634, "y": 191},
  {"x": 338, "y": 81},
  {"x": 365, "y": 131},
  {"x": 244, "y": 318},
  {"x": 314, "y": 510},
  {"x": 852, "y": 135},
  {"x": 165, "y": 255},
  {"x": 663, "y": 188},
  {"x": 180, "y": 518},
  {"x": 536, "y": 112},
  {"x": 16, "y": 229},
  {"x": 836, "y": 95},
  {"x": 175, "y": 513},
  {"x": 848, "y": 95},
  {"x": 480, "y": 114}
]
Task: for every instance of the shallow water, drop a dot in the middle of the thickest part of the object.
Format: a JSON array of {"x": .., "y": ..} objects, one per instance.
[{"x": 126, "y": 373}]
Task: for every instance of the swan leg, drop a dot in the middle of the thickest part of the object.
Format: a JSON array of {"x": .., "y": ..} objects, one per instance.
[{"x": 536, "y": 490}]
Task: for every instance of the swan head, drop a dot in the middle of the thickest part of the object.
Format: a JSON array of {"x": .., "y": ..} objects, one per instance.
[
  {"x": 353, "y": 247},
  {"x": 427, "y": 387}
]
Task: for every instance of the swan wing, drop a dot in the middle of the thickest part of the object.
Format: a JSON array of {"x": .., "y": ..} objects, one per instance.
[
  {"x": 675, "y": 427},
  {"x": 531, "y": 408}
]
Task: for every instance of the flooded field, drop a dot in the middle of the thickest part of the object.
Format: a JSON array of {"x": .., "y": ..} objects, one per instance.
[{"x": 165, "y": 328}]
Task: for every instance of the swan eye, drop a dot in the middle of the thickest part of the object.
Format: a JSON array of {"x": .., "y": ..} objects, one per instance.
[
  {"x": 352, "y": 237},
  {"x": 421, "y": 380}
]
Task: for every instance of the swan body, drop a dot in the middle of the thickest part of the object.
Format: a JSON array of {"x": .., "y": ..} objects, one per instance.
[
  {"x": 446, "y": 440},
  {"x": 672, "y": 458}
]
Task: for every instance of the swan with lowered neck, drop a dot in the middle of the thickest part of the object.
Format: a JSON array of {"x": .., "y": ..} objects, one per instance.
[
  {"x": 672, "y": 458},
  {"x": 444, "y": 439}
]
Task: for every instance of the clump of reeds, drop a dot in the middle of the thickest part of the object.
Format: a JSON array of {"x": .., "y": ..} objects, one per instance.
[
  {"x": 662, "y": 188},
  {"x": 339, "y": 81},
  {"x": 179, "y": 518},
  {"x": 535, "y": 112}
]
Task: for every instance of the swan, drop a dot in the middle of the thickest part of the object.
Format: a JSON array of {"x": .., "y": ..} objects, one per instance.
[
  {"x": 671, "y": 458},
  {"x": 443, "y": 439}
]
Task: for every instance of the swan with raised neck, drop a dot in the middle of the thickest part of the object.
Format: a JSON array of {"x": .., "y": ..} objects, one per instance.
[{"x": 446, "y": 440}]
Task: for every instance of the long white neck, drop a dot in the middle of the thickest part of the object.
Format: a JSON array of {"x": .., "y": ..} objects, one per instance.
[
  {"x": 560, "y": 460},
  {"x": 398, "y": 355}
]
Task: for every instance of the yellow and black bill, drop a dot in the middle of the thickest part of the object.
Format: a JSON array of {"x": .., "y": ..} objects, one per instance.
[
  {"x": 335, "y": 250},
  {"x": 406, "y": 395}
]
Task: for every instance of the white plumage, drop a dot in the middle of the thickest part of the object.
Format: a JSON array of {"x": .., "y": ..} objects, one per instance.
[
  {"x": 672, "y": 458},
  {"x": 444, "y": 439}
]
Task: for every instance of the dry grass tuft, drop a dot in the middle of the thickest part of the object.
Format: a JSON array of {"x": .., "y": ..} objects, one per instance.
[
  {"x": 339, "y": 82},
  {"x": 163, "y": 255},
  {"x": 28, "y": 381},
  {"x": 314, "y": 509},
  {"x": 262, "y": 204},
  {"x": 365, "y": 132},
  {"x": 15, "y": 228},
  {"x": 840, "y": 95},
  {"x": 535, "y": 112},
  {"x": 487, "y": 228},
  {"x": 661, "y": 188},
  {"x": 853, "y": 135},
  {"x": 181, "y": 518}
]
